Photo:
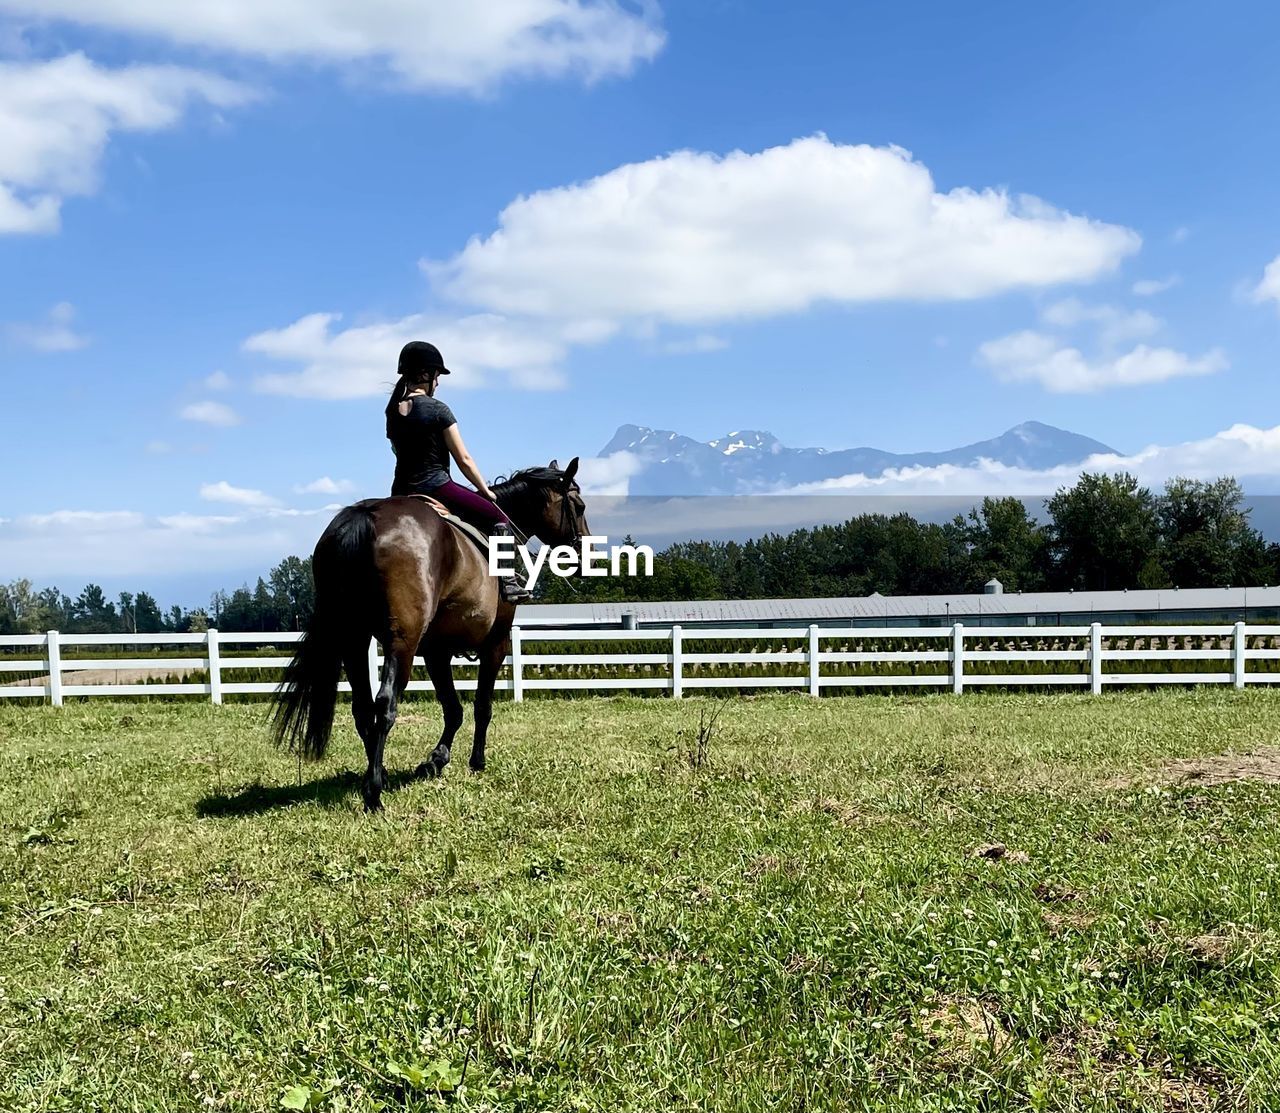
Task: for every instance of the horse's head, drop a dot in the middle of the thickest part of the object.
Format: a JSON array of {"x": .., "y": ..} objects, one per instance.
[{"x": 546, "y": 503}]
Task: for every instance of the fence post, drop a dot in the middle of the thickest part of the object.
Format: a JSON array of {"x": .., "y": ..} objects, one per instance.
[
  {"x": 815, "y": 678},
  {"x": 517, "y": 665},
  {"x": 1237, "y": 654},
  {"x": 677, "y": 664},
  {"x": 55, "y": 669},
  {"x": 373, "y": 665},
  {"x": 1095, "y": 658},
  {"x": 957, "y": 658},
  {"x": 215, "y": 666}
]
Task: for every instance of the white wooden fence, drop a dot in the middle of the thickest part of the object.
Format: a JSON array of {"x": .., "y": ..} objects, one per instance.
[{"x": 1086, "y": 651}]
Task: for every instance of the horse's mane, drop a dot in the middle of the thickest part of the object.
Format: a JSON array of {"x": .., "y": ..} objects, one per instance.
[{"x": 518, "y": 484}]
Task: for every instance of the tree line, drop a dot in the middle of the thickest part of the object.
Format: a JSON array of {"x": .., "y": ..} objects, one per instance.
[
  {"x": 283, "y": 601},
  {"x": 1106, "y": 532}
]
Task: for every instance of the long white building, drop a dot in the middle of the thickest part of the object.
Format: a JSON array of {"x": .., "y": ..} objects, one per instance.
[{"x": 994, "y": 607}]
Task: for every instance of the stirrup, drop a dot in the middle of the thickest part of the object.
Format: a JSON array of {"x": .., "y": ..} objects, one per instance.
[{"x": 510, "y": 589}]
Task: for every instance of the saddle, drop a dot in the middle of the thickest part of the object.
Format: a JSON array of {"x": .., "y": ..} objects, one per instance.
[{"x": 479, "y": 537}]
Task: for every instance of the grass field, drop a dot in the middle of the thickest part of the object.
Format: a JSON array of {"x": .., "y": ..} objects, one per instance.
[{"x": 804, "y": 912}]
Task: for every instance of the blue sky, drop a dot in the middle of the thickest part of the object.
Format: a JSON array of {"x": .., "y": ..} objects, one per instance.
[{"x": 183, "y": 196}]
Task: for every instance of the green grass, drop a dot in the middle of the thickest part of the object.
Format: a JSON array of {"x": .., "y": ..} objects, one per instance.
[{"x": 613, "y": 917}]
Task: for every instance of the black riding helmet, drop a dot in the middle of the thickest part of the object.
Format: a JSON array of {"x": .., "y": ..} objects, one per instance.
[{"x": 418, "y": 358}]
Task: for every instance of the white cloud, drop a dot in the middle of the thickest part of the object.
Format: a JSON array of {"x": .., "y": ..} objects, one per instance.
[
  {"x": 1149, "y": 287},
  {"x": 219, "y": 380},
  {"x": 197, "y": 523},
  {"x": 83, "y": 519},
  {"x": 692, "y": 237},
  {"x": 703, "y": 342},
  {"x": 360, "y": 361},
  {"x": 54, "y": 334},
  {"x": 222, "y": 491},
  {"x": 1115, "y": 325},
  {"x": 325, "y": 486},
  {"x": 1243, "y": 451},
  {"x": 92, "y": 545},
  {"x": 56, "y": 118},
  {"x": 210, "y": 413},
  {"x": 1030, "y": 356},
  {"x": 1269, "y": 288},
  {"x": 608, "y": 475},
  {"x": 427, "y": 44}
]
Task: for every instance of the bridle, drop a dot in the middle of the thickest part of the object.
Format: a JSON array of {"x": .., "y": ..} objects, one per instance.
[
  {"x": 568, "y": 521},
  {"x": 568, "y": 525},
  {"x": 569, "y": 514}
]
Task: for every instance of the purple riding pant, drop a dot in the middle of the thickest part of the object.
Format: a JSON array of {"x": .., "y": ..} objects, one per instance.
[{"x": 469, "y": 505}]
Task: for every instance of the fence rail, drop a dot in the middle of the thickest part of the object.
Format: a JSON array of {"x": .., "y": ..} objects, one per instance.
[{"x": 938, "y": 657}]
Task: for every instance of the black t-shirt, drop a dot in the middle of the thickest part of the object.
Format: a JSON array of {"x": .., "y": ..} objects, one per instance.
[{"x": 417, "y": 439}]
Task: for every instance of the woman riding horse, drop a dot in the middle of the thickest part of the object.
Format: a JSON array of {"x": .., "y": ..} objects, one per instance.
[
  {"x": 424, "y": 434},
  {"x": 394, "y": 570}
]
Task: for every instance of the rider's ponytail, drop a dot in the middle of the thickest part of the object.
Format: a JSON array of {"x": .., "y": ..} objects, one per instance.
[{"x": 397, "y": 396}]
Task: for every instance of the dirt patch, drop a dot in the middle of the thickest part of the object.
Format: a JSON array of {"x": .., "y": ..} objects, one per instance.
[
  {"x": 998, "y": 852},
  {"x": 1059, "y": 923},
  {"x": 1048, "y": 893},
  {"x": 1084, "y": 1061},
  {"x": 1211, "y": 950},
  {"x": 958, "y": 1027},
  {"x": 841, "y": 811},
  {"x": 1218, "y": 769},
  {"x": 764, "y": 864}
]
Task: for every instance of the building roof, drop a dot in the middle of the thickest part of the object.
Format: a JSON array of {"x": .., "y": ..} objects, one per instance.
[{"x": 896, "y": 607}]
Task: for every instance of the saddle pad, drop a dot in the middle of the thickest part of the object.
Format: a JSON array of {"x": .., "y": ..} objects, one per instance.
[{"x": 481, "y": 539}]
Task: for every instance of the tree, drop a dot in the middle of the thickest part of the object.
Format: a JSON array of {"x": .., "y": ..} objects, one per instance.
[
  {"x": 293, "y": 591},
  {"x": 1006, "y": 543},
  {"x": 23, "y": 610},
  {"x": 93, "y": 613},
  {"x": 128, "y": 613},
  {"x": 1206, "y": 535},
  {"x": 266, "y": 614},
  {"x": 147, "y": 618},
  {"x": 1104, "y": 535},
  {"x": 235, "y": 611}
]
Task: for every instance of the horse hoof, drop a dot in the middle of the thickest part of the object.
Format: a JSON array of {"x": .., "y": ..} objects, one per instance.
[
  {"x": 477, "y": 768},
  {"x": 373, "y": 806},
  {"x": 429, "y": 770}
]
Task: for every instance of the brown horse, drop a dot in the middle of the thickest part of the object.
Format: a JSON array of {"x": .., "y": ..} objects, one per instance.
[{"x": 392, "y": 569}]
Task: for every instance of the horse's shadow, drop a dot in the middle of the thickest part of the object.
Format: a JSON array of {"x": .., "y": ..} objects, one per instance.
[{"x": 327, "y": 792}]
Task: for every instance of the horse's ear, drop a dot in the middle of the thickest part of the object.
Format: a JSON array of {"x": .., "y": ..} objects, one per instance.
[
  {"x": 554, "y": 465},
  {"x": 571, "y": 471}
]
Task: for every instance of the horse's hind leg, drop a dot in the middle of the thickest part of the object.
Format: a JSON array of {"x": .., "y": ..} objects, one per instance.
[
  {"x": 355, "y": 660},
  {"x": 397, "y": 665},
  {"x": 440, "y": 669}
]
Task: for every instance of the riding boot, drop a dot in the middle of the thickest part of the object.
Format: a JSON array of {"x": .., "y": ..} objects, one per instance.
[{"x": 512, "y": 587}]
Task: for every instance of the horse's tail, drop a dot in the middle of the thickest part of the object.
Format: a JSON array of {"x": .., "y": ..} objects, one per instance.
[{"x": 343, "y": 568}]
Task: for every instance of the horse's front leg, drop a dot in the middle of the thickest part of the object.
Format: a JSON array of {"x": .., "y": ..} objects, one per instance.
[
  {"x": 491, "y": 658},
  {"x": 440, "y": 669}
]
